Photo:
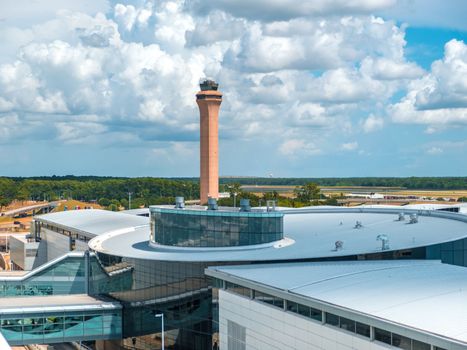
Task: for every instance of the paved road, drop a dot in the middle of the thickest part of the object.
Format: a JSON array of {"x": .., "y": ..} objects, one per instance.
[{"x": 29, "y": 208}]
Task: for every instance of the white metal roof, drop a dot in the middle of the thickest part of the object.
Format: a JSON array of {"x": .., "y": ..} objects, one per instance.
[
  {"x": 311, "y": 233},
  {"x": 425, "y": 295},
  {"x": 95, "y": 221}
]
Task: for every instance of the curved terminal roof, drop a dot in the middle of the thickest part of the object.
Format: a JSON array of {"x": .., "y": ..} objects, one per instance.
[
  {"x": 95, "y": 222},
  {"x": 425, "y": 295},
  {"x": 310, "y": 233}
]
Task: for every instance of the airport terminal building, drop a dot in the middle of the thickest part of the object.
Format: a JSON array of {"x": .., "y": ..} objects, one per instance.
[
  {"x": 196, "y": 264},
  {"x": 206, "y": 277}
]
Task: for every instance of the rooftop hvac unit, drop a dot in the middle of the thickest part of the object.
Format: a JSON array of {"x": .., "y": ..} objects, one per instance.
[
  {"x": 212, "y": 203},
  {"x": 338, "y": 245},
  {"x": 413, "y": 219},
  {"x": 384, "y": 241},
  {"x": 401, "y": 217},
  {"x": 179, "y": 202},
  {"x": 358, "y": 224},
  {"x": 270, "y": 205},
  {"x": 245, "y": 205}
]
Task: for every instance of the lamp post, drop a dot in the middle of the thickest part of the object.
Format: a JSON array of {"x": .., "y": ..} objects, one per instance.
[
  {"x": 162, "y": 321},
  {"x": 235, "y": 199}
]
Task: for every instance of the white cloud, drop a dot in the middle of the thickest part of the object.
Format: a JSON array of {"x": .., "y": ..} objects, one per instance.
[
  {"x": 217, "y": 26},
  {"x": 174, "y": 151},
  {"x": 372, "y": 123},
  {"x": 287, "y": 9},
  {"x": 387, "y": 69},
  {"x": 295, "y": 148},
  {"x": 430, "y": 13},
  {"x": 128, "y": 16},
  {"x": 434, "y": 151},
  {"x": 439, "y": 97},
  {"x": 295, "y": 80},
  {"x": 9, "y": 126},
  {"x": 349, "y": 146}
]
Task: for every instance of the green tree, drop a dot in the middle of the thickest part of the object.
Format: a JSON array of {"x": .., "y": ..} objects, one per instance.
[
  {"x": 308, "y": 192},
  {"x": 105, "y": 202}
]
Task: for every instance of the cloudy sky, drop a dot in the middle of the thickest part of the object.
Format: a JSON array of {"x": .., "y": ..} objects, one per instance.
[{"x": 311, "y": 88}]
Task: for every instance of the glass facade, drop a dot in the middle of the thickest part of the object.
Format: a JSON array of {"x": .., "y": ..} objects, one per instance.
[
  {"x": 454, "y": 253},
  {"x": 179, "y": 290},
  {"x": 60, "y": 327},
  {"x": 68, "y": 276},
  {"x": 65, "y": 277},
  {"x": 399, "y": 341},
  {"x": 214, "y": 228}
]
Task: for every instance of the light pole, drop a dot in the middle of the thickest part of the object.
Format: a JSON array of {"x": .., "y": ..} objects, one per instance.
[
  {"x": 235, "y": 199},
  {"x": 162, "y": 321},
  {"x": 129, "y": 200}
]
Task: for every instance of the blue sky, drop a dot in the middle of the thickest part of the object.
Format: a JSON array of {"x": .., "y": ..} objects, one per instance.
[{"x": 320, "y": 88}]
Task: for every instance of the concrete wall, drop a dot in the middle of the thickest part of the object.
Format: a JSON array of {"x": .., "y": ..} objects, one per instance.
[
  {"x": 54, "y": 245},
  {"x": 268, "y": 327},
  {"x": 20, "y": 252},
  {"x": 57, "y": 244}
]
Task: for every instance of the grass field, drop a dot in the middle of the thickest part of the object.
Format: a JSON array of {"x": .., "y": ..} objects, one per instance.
[
  {"x": 72, "y": 204},
  {"x": 5, "y": 219},
  {"x": 287, "y": 191}
]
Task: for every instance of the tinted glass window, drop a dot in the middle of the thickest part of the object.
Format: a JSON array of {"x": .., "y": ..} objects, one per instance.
[
  {"x": 291, "y": 306},
  {"x": 348, "y": 325},
  {"x": 316, "y": 314},
  {"x": 362, "y": 329},
  {"x": 332, "y": 319},
  {"x": 383, "y": 336},
  {"x": 401, "y": 341},
  {"x": 418, "y": 345},
  {"x": 304, "y": 310}
]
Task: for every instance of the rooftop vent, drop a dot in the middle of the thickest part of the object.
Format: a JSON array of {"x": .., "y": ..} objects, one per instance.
[
  {"x": 271, "y": 205},
  {"x": 179, "y": 202},
  {"x": 384, "y": 241},
  {"x": 212, "y": 203},
  {"x": 358, "y": 224},
  {"x": 413, "y": 219},
  {"x": 245, "y": 204},
  {"x": 401, "y": 217},
  {"x": 338, "y": 245}
]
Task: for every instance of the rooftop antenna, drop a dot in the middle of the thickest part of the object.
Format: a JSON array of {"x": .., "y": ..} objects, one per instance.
[{"x": 384, "y": 241}]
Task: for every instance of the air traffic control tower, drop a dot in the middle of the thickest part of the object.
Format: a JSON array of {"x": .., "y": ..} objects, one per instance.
[{"x": 209, "y": 101}]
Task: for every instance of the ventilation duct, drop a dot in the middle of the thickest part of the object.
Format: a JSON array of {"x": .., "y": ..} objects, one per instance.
[
  {"x": 179, "y": 202},
  {"x": 245, "y": 205},
  {"x": 212, "y": 204}
]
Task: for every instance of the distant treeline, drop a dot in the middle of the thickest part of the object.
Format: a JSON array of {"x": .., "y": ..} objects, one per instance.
[
  {"x": 148, "y": 190},
  {"x": 419, "y": 183},
  {"x": 144, "y": 191}
]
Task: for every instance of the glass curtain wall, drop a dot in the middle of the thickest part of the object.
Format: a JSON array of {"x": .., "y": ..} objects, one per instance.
[
  {"x": 61, "y": 326},
  {"x": 198, "y": 228},
  {"x": 179, "y": 290},
  {"x": 65, "y": 277}
]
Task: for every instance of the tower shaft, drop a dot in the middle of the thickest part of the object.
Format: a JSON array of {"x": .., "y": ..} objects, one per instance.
[{"x": 209, "y": 101}]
